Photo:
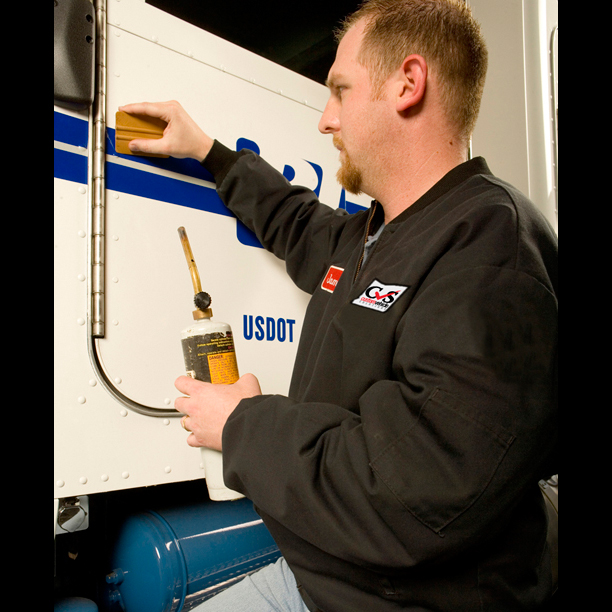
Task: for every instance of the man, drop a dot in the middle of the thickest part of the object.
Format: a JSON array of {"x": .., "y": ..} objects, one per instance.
[{"x": 401, "y": 472}]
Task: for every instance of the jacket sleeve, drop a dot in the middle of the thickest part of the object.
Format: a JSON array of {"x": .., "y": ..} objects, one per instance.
[
  {"x": 288, "y": 220},
  {"x": 439, "y": 453}
]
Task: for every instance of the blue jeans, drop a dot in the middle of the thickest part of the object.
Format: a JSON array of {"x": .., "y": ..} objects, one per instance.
[{"x": 271, "y": 589}]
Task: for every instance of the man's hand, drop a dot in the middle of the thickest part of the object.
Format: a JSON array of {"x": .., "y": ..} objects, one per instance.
[
  {"x": 209, "y": 406},
  {"x": 182, "y": 136}
]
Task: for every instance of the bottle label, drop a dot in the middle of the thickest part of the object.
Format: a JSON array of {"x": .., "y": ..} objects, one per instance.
[{"x": 211, "y": 358}]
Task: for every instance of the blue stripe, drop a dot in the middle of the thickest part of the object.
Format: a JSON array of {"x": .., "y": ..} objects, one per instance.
[
  {"x": 74, "y": 131},
  {"x": 69, "y": 166},
  {"x": 148, "y": 185},
  {"x": 70, "y": 130},
  {"x": 73, "y": 167}
]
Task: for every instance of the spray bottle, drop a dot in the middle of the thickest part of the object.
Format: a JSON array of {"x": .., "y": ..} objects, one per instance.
[{"x": 208, "y": 350}]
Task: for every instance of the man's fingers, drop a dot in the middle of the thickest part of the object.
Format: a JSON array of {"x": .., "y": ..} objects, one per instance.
[
  {"x": 180, "y": 404},
  {"x": 139, "y": 145},
  {"x": 158, "y": 110},
  {"x": 148, "y": 145},
  {"x": 153, "y": 109},
  {"x": 193, "y": 441},
  {"x": 188, "y": 385},
  {"x": 250, "y": 384}
]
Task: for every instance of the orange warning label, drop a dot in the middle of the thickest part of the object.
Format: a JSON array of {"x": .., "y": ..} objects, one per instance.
[
  {"x": 223, "y": 368},
  {"x": 211, "y": 358}
]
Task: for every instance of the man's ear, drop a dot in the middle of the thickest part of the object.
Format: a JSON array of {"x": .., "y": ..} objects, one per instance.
[{"x": 412, "y": 82}]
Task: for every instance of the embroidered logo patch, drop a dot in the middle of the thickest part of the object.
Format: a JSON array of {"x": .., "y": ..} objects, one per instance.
[
  {"x": 331, "y": 278},
  {"x": 379, "y": 296}
]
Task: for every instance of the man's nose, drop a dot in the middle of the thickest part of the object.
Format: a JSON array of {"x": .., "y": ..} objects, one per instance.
[{"x": 329, "y": 123}]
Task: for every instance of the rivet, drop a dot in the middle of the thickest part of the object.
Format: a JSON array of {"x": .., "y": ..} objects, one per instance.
[
  {"x": 167, "y": 469},
  {"x": 125, "y": 475},
  {"x": 82, "y": 189},
  {"x": 93, "y": 382},
  {"x": 83, "y": 480},
  {"x": 154, "y": 38},
  {"x": 117, "y": 74},
  {"x": 60, "y": 483},
  {"x": 123, "y": 412},
  {"x": 80, "y": 321},
  {"x": 166, "y": 421},
  {"x": 115, "y": 238},
  {"x": 81, "y": 277},
  {"x": 115, "y": 279},
  {"x": 167, "y": 401},
  {"x": 116, "y": 196},
  {"x": 118, "y": 380},
  {"x": 115, "y": 322},
  {"x": 104, "y": 478},
  {"x": 117, "y": 33},
  {"x": 81, "y": 234},
  {"x": 81, "y": 399},
  {"x": 201, "y": 466}
]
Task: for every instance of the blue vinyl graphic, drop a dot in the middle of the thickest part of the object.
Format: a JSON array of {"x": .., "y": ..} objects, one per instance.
[{"x": 140, "y": 182}]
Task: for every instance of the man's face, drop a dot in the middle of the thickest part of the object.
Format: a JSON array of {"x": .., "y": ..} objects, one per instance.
[{"x": 353, "y": 116}]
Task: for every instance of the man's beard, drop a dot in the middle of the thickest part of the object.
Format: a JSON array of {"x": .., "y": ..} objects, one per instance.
[{"x": 348, "y": 175}]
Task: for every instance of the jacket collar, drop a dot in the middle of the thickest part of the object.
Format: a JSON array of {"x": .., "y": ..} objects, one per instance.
[{"x": 449, "y": 181}]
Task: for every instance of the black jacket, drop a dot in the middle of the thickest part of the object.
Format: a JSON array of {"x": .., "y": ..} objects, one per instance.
[{"x": 402, "y": 471}]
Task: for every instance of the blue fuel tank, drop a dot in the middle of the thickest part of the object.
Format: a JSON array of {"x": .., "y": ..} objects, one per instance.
[
  {"x": 173, "y": 559},
  {"x": 75, "y": 604}
]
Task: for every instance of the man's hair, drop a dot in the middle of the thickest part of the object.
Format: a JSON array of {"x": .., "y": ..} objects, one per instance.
[{"x": 443, "y": 32}]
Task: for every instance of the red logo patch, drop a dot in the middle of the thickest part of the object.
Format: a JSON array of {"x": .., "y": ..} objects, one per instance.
[{"x": 331, "y": 278}]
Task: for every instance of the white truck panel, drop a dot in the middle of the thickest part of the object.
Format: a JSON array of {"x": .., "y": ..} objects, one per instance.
[{"x": 100, "y": 444}]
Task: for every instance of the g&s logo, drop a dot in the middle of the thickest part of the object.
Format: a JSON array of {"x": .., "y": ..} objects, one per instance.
[{"x": 379, "y": 296}]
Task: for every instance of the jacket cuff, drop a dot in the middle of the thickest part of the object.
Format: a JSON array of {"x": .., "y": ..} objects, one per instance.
[{"x": 220, "y": 160}]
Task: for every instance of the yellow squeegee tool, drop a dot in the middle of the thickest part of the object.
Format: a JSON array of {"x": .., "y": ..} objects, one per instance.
[{"x": 129, "y": 127}]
